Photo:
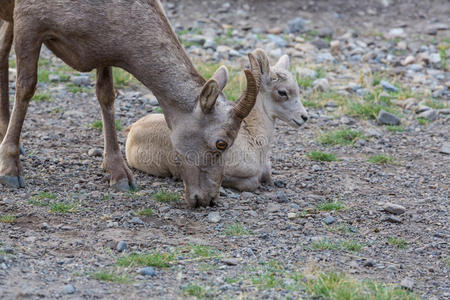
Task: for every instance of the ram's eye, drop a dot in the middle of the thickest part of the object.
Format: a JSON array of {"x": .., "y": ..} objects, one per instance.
[
  {"x": 282, "y": 93},
  {"x": 221, "y": 145}
]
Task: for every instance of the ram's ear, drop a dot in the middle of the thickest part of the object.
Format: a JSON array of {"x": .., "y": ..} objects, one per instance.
[
  {"x": 221, "y": 76},
  {"x": 283, "y": 63},
  {"x": 208, "y": 96}
]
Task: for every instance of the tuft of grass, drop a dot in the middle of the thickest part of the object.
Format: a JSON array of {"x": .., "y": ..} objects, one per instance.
[
  {"x": 43, "y": 75},
  {"x": 305, "y": 82},
  {"x": 153, "y": 259},
  {"x": 381, "y": 159},
  {"x": 98, "y": 124},
  {"x": 197, "y": 251},
  {"x": 147, "y": 212},
  {"x": 63, "y": 207},
  {"x": 236, "y": 81},
  {"x": 340, "y": 286},
  {"x": 435, "y": 104},
  {"x": 38, "y": 97},
  {"x": 324, "y": 244},
  {"x": 340, "y": 137},
  {"x": 12, "y": 63},
  {"x": 399, "y": 243},
  {"x": 42, "y": 199},
  {"x": 321, "y": 156},
  {"x": 194, "y": 290},
  {"x": 237, "y": 229},
  {"x": 443, "y": 55},
  {"x": 111, "y": 277},
  {"x": 330, "y": 206},
  {"x": 165, "y": 196},
  {"x": 395, "y": 128},
  {"x": 122, "y": 78},
  {"x": 75, "y": 89},
  {"x": 7, "y": 219},
  {"x": 351, "y": 245},
  {"x": 423, "y": 121}
]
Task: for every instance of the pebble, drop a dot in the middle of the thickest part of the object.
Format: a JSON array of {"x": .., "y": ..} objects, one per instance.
[
  {"x": 81, "y": 80},
  {"x": 296, "y": 25},
  {"x": 214, "y": 217},
  {"x": 329, "y": 220},
  {"x": 68, "y": 289},
  {"x": 95, "y": 152},
  {"x": 321, "y": 84},
  {"x": 407, "y": 283},
  {"x": 394, "y": 208},
  {"x": 324, "y": 57},
  {"x": 388, "y": 86},
  {"x": 396, "y": 33},
  {"x": 121, "y": 246},
  {"x": 445, "y": 149},
  {"x": 316, "y": 168},
  {"x": 386, "y": 118},
  {"x": 137, "y": 221},
  {"x": 282, "y": 197},
  {"x": 305, "y": 72},
  {"x": 393, "y": 219},
  {"x": 291, "y": 216},
  {"x": 230, "y": 261},
  {"x": 430, "y": 115},
  {"x": 408, "y": 60},
  {"x": 148, "y": 271}
]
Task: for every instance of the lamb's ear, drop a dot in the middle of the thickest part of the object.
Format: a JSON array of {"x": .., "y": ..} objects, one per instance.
[
  {"x": 209, "y": 95},
  {"x": 263, "y": 61},
  {"x": 283, "y": 62},
  {"x": 221, "y": 76}
]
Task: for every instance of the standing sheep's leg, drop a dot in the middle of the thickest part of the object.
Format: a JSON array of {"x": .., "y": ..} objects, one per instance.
[
  {"x": 27, "y": 52},
  {"x": 113, "y": 162},
  {"x": 6, "y": 38}
]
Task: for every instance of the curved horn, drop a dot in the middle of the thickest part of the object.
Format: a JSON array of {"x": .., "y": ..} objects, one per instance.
[
  {"x": 256, "y": 69},
  {"x": 248, "y": 99}
]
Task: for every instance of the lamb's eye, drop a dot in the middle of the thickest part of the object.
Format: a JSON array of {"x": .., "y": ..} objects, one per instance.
[
  {"x": 221, "y": 145},
  {"x": 282, "y": 93}
]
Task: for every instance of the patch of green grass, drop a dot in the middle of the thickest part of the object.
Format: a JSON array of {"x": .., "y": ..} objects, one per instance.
[
  {"x": 325, "y": 244},
  {"x": 167, "y": 197},
  {"x": 97, "y": 125},
  {"x": 195, "y": 290},
  {"x": 399, "y": 243},
  {"x": 63, "y": 207},
  {"x": 340, "y": 286},
  {"x": 321, "y": 156},
  {"x": 111, "y": 277},
  {"x": 305, "y": 82},
  {"x": 443, "y": 54},
  {"x": 236, "y": 80},
  {"x": 321, "y": 72},
  {"x": 381, "y": 159},
  {"x": 340, "y": 137},
  {"x": 42, "y": 199},
  {"x": 351, "y": 245},
  {"x": 7, "y": 219},
  {"x": 197, "y": 251},
  {"x": 147, "y": 212},
  {"x": 447, "y": 260},
  {"x": 38, "y": 97},
  {"x": 158, "y": 110},
  {"x": 119, "y": 126},
  {"x": 43, "y": 75},
  {"x": 395, "y": 128},
  {"x": 433, "y": 103},
  {"x": 340, "y": 228},
  {"x": 44, "y": 62},
  {"x": 237, "y": 229},
  {"x": 423, "y": 121},
  {"x": 12, "y": 63},
  {"x": 330, "y": 206},
  {"x": 153, "y": 259},
  {"x": 122, "y": 78},
  {"x": 75, "y": 89}
]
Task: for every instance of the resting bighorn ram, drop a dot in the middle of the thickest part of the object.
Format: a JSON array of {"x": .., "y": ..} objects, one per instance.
[
  {"x": 247, "y": 163},
  {"x": 137, "y": 37}
]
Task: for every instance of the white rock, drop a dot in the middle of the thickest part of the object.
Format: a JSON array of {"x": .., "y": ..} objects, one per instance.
[{"x": 214, "y": 217}]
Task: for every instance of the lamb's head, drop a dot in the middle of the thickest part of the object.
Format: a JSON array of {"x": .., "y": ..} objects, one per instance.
[
  {"x": 280, "y": 91},
  {"x": 200, "y": 138}
]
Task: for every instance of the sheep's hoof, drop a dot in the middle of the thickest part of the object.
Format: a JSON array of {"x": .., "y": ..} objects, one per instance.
[
  {"x": 13, "y": 181},
  {"x": 124, "y": 186}
]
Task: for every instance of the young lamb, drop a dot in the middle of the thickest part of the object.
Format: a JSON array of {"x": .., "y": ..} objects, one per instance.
[{"x": 247, "y": 163}]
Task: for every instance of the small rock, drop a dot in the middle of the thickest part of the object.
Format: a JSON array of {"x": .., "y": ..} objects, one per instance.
[
  {"x": 393, "y": 219},
  {"x": 386, "y": 118},
  {"x": 305, "y": 72},
  {"x": 153, "y": 101},
  {"x": 435, "y": 58},
  {"x": 214, "y": 217},
  {"x": 68, "y": 289},
  {"x": 273, "y": 207},
  {"x": 276, "y": 53},
  {"x": 231, "y": 261},
  {"x": 296, "y": 25},
  {"x": 372, "y": 132},
  {"x": 324, "y": 57},
  {"x": 335, "y": 47},
  {"x": 329, "y": 220},
  {"x": 54, "y": 78},
  {"x": 282, "y": 198},
  {"x": 321, "y": 84},
  {"x": 325, "y": 32},
  {"x": 81, "y": 80},
  {"x": 430, "y": 115},
  {"x": 210, "y": 44},
  {"x": 396, "y": 33},
  {"x": 121, "y": 246},
  {"x": 148, "y": 271},
  {"x": 95, "y": 152},
  {"x": 137, "y": 221},
  {"x": 44, "y": 226},
  {"x": 291, "y": 216},
  {"x": 445, "y": 149},
  {"x": 394, "y": 208},
  {"x": 277, "y": 40},
  {"x": 320, "y": 44},
  {"x": 388, "y": 86},
  {"x": 407, "y": 283},
  {"x": 408, "y": 60},
  {"x": 369, "y": 264},
  {"x": 316, "y": 168}
]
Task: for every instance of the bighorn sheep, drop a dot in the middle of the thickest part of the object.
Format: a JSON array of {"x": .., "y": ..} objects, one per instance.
[
  {"x": 137, "y": 37},
  {"x": 247, "y": 164}
]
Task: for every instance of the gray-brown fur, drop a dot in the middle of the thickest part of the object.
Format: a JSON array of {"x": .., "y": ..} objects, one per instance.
[{"x": 133, "y": 35}]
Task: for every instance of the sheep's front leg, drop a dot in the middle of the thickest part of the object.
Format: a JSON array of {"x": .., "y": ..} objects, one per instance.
[
  {"x": 6, "y": 38},
  {"x": 113, "y": 162}
]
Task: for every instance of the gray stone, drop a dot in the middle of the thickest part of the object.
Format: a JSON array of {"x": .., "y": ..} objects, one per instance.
[
  {"x": 445, "y": 149},
  {"x": 81, "y": 80},
  {"x": 68, "y": 289},
  {"x": 95, "y": 152},
  {"x": 386, "y": 118},
  {"x": 394, "y": 208},
  {"x": 329, "y": 220},
  {"x": 296, "y": 25},
  {"x": 305, "y": 72},
  {"x": 407, "y": 283},
  {"x": 392, "y": 219},
  {"x": 282, "y": 197},
  {"x": 325, "y": 32},
  {"x": 247, "y": 195},
  {"x": 210, "y": 44},
  {"x": 121, "y": 246},
  {"x": 388, "y": 86},
  {"x": 321, "y": 84},
  {"x": 430, "y": 115},
  {"x": 278, "y": 40},
  {"x": 444, "y": 111},
  {"x": 320, "y": 44},
  {"x": 54, "y": 78},
  {"x": 214, "y": 217},
  {"x": 372, "y": 132},
  {"x": 273, "y": 207},
  {"x": 276, "y": 53},
  {"x": 396, "y": 33},
  {"x": 148, "y": 271},
  {"x": 316, "y": 168},
  {"x": 435, "y": 58},
  {"x": 136, "y": 221},
  {"x": 231, "y": 261},
  {"x": 324, "y": 57}
]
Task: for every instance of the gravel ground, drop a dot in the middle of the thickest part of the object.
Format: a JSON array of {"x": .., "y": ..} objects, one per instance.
[{"x": 385, "y": 222}]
